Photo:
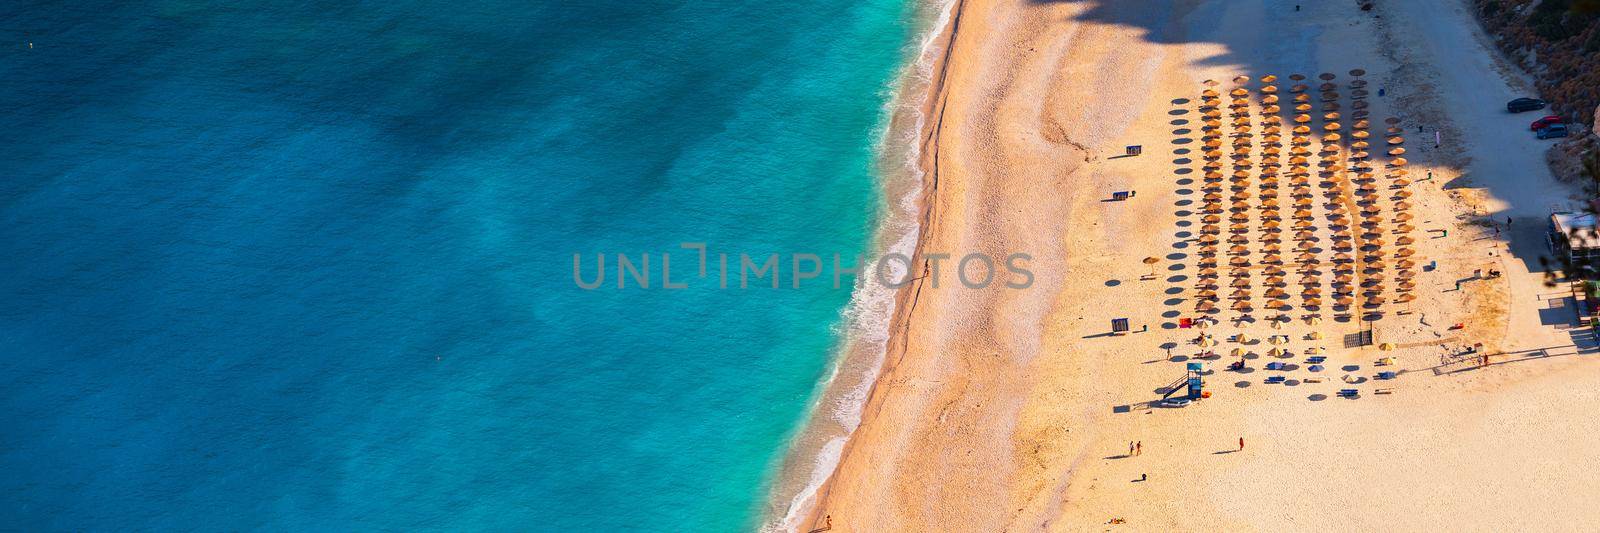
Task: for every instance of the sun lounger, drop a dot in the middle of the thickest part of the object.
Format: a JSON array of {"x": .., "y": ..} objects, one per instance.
[
  {"x": 1313, "y": 380},
  {"x": 1386, "y": 375},
  {"x": 1275, "y": 379},
  {"x": 1274, "y": 366},
  {"x": 1349, "y": 393},
  {"x": 1383, "y": 391},
  {"x": 1316, "y": 359}
]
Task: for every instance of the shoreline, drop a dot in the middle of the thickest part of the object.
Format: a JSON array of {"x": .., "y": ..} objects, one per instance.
[
  {"x": 812, "y": 447},
  {"x": 906, "y": 298}
]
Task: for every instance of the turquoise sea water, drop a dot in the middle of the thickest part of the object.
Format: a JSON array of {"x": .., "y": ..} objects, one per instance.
[{"x": 308, "y": 265}]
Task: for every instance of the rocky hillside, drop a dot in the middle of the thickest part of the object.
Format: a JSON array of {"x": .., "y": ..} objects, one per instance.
[{"x": 1556, "y": 40}]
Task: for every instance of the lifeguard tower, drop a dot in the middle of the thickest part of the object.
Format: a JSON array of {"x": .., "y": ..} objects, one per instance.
[{"x": 1191, "y": 383}]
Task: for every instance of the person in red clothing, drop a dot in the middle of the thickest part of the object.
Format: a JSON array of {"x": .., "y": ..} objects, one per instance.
[{"x": 1241, "y": 444}]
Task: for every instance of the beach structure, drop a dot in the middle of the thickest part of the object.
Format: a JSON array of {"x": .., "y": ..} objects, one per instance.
[{"x": 1573, "y": 236}]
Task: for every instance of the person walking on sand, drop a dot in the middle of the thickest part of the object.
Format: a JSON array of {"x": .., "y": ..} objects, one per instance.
[
  {"x": 1241, "y": 444},
  {"x": 1143, "y": 477},
  {"x": 1138, "y": 448},
  {"x": 1130, "y": 448}
]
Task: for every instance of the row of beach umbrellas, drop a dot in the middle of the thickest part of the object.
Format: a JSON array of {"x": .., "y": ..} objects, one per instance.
[{"x": 1234, "y": 208}]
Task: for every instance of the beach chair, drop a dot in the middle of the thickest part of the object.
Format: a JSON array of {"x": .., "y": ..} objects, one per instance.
[
  {"x": 1349, "y": 393},
  {"x": 1274, "y": 379},
  {"x": 1316, "y": 359}
]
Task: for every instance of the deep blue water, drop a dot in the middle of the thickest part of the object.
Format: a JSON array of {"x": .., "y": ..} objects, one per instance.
[{"x": 308, "y": 265}]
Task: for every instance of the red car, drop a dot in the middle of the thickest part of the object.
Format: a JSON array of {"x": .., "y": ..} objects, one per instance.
[{"x": 1546, "y": 121}]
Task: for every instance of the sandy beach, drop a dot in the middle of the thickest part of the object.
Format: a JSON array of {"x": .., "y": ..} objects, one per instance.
[{"x": 1013, "y": 409}]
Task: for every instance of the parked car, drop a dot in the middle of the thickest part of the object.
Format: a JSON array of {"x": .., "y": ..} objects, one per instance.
[
  {"x": 1552, "y": 131},
  {"x": 1546, "y": 121},
  {"x": 1525, "y": 104}
]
